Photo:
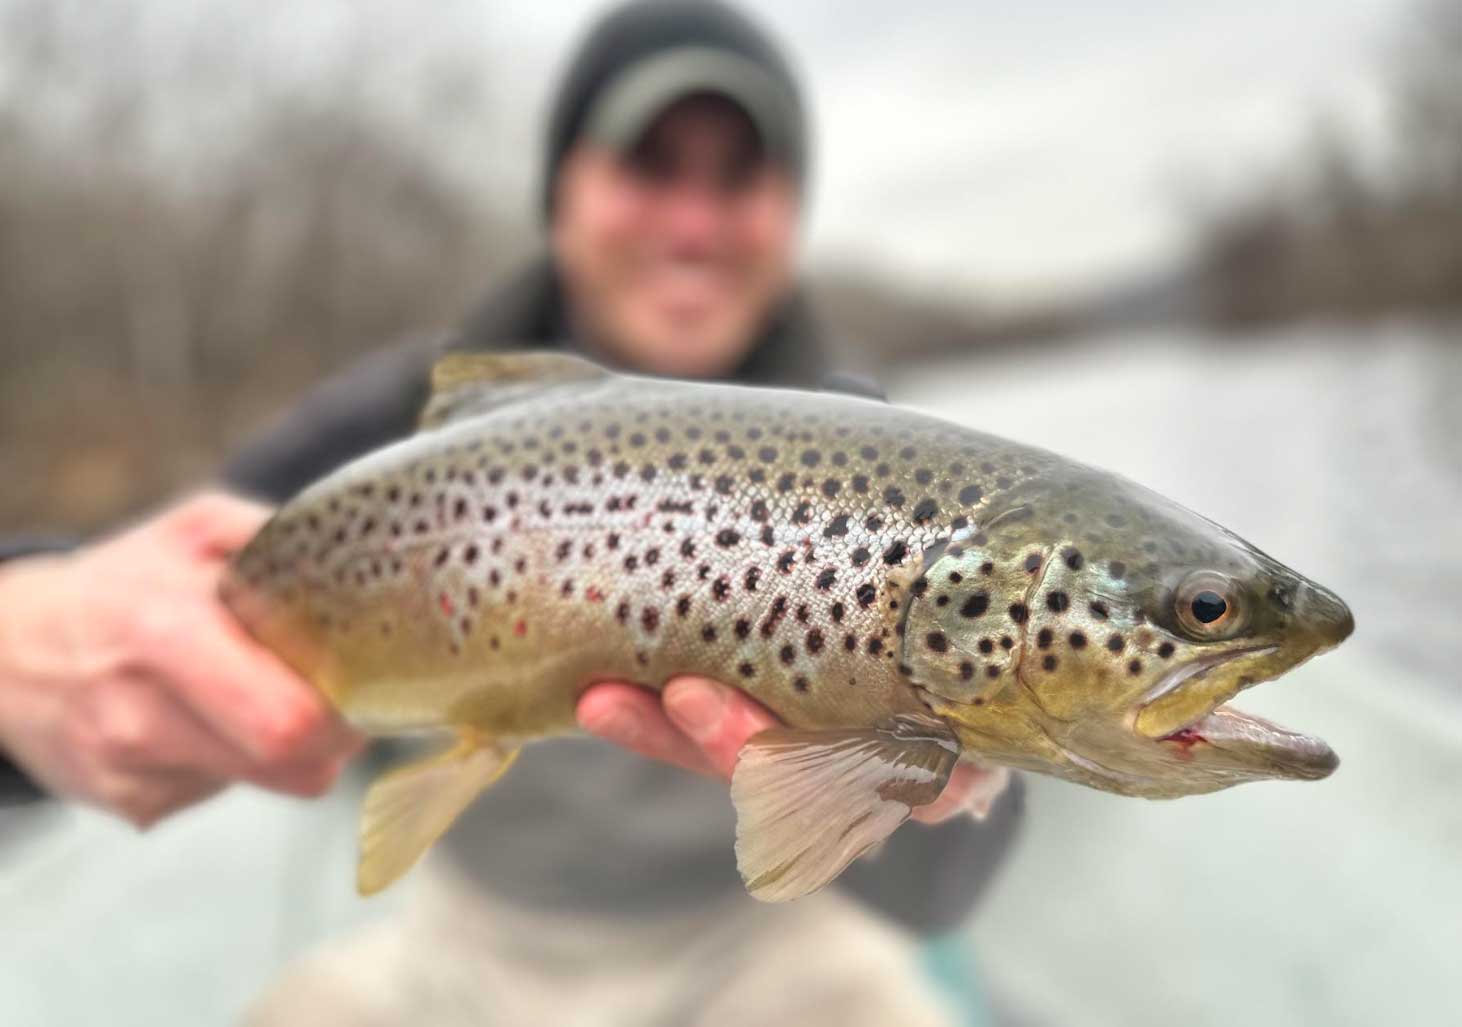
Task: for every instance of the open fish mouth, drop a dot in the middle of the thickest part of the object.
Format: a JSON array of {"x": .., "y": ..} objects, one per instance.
[{"x": 1237, "y": 740}]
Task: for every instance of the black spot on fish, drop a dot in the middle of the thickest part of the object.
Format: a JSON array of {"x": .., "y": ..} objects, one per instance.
[
  {"x": 1134, "y": 667},
  {"x": 895, "y": 553},
  {"x": 836, "y": 612},
  {"x": 708, "y": 633},
  {"x": 786, "y": 560},
  {"x": 1058, "y": 602},
  {"x": 970, "y": 494},
  {"x": 768, "y": 536},
  {"x": 814, "y": 642},
  {"x": 1165, "y": 650},
  {"x": 875, "y": 646},
  {"x": 860, "y": 556},
  {"x": 1049, "y": 663},
  {"x": 937, "y": 642},
  {"x": 860, "y": 483},
  {"x": 1077, "y": 640},
  {"x": 759, "y": 511},
  {"x": 727, "y": 537},
  {"x": 766, "y": 454},
  {"x": 893, "y": 496},
  {"x": 975, "y": 605},
  {"x": 787, "y": 482},
  {"x": 787, "y": 654},
  {"x": 986, "y": 646},
  {"x": 753, "y": 575},
  {"x": 721, "y": 588},
  {"x": 830, "y": 487},
  {"x": 801, "y": 683},
  {"x": 650, "y": 619},
  {"x": 1098, "y": 610},
  {"x": 1115, "y": 643},
  {"x": 682, "y": 606},
  {"x": 1033, "y": 562},
  {"x": 925, "y": 511},
  {"x": 1019, "y": 613},
  {"x": 836, "y": 527},
  {"x": 1044, "y": 638},
  {"x": 1117, "y": 569},
  {"x": 923, "y": 476},
  {"x": 866, "y": 594},
  {"x": 743, "y": 628},
  {"x": 746, "y": 669},
  {"x": 1074, "y": 559},
  {"x": 966, "y": 670}
]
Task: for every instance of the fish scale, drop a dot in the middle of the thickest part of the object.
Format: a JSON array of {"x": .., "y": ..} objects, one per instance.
[{"x": 853, "y": 566}]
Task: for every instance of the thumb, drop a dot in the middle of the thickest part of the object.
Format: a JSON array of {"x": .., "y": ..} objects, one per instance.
[{"x": 217, "y": 523}]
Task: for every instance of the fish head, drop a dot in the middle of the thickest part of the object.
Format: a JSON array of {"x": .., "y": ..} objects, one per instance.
[{"x": 1096, "y": 631}]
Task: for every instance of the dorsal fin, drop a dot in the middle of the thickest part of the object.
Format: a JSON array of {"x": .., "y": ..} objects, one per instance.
[{"x": 465, "y": 384}]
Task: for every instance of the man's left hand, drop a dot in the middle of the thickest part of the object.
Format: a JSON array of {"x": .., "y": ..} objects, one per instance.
[{"x": 701, "y": 725}]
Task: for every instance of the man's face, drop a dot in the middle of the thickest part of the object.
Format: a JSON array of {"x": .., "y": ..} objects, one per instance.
[{"x": 673, "y": 254}]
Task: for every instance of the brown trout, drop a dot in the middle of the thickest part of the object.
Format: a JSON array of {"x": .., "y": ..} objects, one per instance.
[{"x": 902, "y": 592}]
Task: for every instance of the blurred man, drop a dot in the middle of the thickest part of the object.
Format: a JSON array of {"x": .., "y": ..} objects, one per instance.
[{"x": 589, "y": 879}]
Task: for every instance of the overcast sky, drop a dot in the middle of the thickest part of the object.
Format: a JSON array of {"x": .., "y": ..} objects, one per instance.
[{"x": 1009, "y": 149}]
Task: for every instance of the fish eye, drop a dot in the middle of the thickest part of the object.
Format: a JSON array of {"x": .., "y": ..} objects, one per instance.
[{"x": 1207, "y": 606}]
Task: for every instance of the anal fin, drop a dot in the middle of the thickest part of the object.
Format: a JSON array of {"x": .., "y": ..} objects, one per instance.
[
  {"x": 810, "y": 802},
  {"x": 409, "y": 808}
]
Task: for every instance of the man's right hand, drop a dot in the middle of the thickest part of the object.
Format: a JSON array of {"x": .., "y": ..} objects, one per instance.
[{"x": 125, "y": 683}]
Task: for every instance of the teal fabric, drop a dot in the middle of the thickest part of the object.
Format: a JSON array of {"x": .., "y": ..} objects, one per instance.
[{"x": 950, "y": 963}]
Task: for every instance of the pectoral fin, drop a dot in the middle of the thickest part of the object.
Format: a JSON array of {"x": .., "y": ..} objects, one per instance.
[
  {"x": 810, "y": 802},
  {"x": 409, "y": 808}
]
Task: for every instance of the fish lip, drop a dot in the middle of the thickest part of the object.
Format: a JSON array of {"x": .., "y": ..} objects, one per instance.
[
  {"x": 1197, "y": 667},
  {"x": 1268, "y": 746},
  {"x": 1242, "y": 737}
]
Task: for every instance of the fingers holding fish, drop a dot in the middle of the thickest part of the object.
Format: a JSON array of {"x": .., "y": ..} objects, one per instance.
[
  {"x": 125, "y": 684},
  {"x": 971, "y": 790},
  {"x": 634, "y": 718},
  {"x": 718, "y": 719},
  {"x": 245, "y": 694},
  {"x": 695, "y": 723}
]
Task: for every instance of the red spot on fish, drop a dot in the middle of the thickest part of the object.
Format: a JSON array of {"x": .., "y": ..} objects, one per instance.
[
  {"x": 521, "y": 628},
  {"x": 594, "y": 595},
  {"x": 1185, "y": 740},
  {"x": 445, "y": 602}
]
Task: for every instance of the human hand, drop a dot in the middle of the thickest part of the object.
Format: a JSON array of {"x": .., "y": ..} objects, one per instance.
[
  {"x": 701, "y": 725},
  {"x": 126, "y": 684}
]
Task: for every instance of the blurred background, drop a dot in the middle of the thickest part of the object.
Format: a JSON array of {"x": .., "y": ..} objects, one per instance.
[{"x": 1217, "y": 248}]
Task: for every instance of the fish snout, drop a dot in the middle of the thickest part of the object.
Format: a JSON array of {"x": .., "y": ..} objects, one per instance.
[{"x": 1325, "y": 613}]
